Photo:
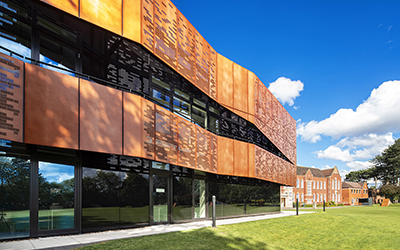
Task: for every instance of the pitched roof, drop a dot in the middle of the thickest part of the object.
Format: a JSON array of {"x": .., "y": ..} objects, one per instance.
[
  {"x": 314, "y": 171},
  {"x": 327, "y": 172},
  {"x": 348, "y": 184}
]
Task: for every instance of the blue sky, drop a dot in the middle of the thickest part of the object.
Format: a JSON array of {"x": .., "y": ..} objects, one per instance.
[{"x": 334, "y": 65}]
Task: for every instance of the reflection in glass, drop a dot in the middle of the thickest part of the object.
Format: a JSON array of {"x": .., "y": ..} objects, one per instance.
[
  {"x": 14, "y": 197},
  {"x": 56, "y": 196},
  {"x": 199, "y": 198},
  {"x": 160, "y": 165},
  {"x": 199, "y": 117},
  {"x": 182, "y": 198},
  {"x": 182, "y": 108},
  {"x": 161, "y": 98},
  {"x": 160, "y": 198},
  {"x": 235, "y": 199},
  {"x": 112, "y": 199}
]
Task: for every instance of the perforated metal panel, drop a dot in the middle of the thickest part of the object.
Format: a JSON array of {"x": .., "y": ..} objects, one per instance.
[
  {"x": 165, "y": 29},
  {"x": 202, "y": 63},
  {"x": 186, "y": 47},
  {"x": 12, "y": 103},
  {"x": 203, "y": 149},
  {"x": 148, "y": 135},
  {"x": 166, "y": 136},
  {"x": 187, "y": 143},
  {"x": 148, "y": 24}
]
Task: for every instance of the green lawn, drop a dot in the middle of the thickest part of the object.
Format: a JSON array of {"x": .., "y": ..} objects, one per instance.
[{"x": 344, "y": 228}]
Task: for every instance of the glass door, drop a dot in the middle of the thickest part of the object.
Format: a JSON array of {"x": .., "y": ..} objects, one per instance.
[
  {"x": 56, "y": 196},
  {"x": 160, "y": 198}
]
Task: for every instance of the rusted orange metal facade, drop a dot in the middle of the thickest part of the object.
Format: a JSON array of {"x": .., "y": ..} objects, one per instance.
[{"x": 102, "y": 119}]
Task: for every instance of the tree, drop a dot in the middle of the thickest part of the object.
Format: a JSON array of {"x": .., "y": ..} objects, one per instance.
[
  {"x": 390, "y": 191},
  {"x": 387, "y": 164}
]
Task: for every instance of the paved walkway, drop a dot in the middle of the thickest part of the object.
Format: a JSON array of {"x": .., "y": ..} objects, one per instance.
[{"x": 79, "y": 240}]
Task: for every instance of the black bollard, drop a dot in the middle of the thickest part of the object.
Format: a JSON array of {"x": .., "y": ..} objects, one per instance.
[
  {"x": 297, "y": 206},
  {"x": 324, "y": 205}
]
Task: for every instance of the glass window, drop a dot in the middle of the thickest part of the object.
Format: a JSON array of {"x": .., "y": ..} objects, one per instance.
[
  {"x": 161, "y": 98},
  {"x": 56, "y": 196},
  {"x": 214, "y": 110},
  {"x": 214, "y": 124},
  {"x": 59, "y": 31},
  {"x": 161, "y": 83},
  {"x": 182, "y": 108},
  {"x": 182, "y": 94},
  {"x": 302, "y": 185},
  {"x": 297, "y": 183},
  {"x": 302, "y": 197},
  {"x": 56, "y": 54},
  {"x": 15, "y": 35},
  {"x": 160, "y": 165},
  {"x": 160, "y": 198},
  {"x": 14, "y": 197},
  {"x": 112, "y": 199},
  {"x": 200, "y": 103},
  {"x": 182, "y": 198},
  {"x": 199, "y": 117}
]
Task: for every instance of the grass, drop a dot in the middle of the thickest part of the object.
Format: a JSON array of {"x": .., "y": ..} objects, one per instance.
[{"x": 344, "y": 228}]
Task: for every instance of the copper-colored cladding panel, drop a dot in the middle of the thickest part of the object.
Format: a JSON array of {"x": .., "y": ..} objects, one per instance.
[
  {"x": 214, "y": 153},
  {"x": 132, "y": 125},
  {"x": 186, "y": 143},
  {"x": 148, "y": 129},
  {"x": 165, "y": 31},
  {"x": 203, "y": 149},
  {"x": 240, "y": 87},
  {"x": 213, "y": 73},
  {"x": 252, "y": 163},
  {"x": 100, "y": 118},
  {"x": 260, "y": 163},
  {"x": 148, "y": 24},
  {"x": 70, "y": 6},
  {"x": 186, "y": 48},
  {"x": 202, "y": 63},
  {"x": 241, "y": 157},
  {"x": 250, "y": 92},
  {"x": 225, "y": 81},
  {"x": 11, "y": 98},
  {"x": 225, "y": 156},
  {"x": 166, "y": 136},
  {"x": 51, "y": 108},
  {"x": 132, "y": 20},
  {"x": 104, "y": 13}
]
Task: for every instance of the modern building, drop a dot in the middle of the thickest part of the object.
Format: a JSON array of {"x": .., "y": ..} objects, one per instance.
[
  {"x": 353, "y": 191},
  {"x": 315, "y": 185},
  {"x": 118, "y": 114}
]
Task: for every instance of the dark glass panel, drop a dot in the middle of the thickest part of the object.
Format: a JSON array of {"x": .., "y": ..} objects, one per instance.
[
  {"x": 56, "y": 54},
  {"x": 214, "y": 125},
  {"x": 160, "y": 198},
  {"x": 59, "y": 31},
  {"x": 236, "y": 199},
  {"x": 199, "y": 116},
  {"x": 15, "y": 34},
  {"x": 182, "y": 198},
  {"x": 182, "y": 94},
  {"x": 160, "y": 83},
  {"x": 56, "y": 196},
  {"x": 134, "y": 194},
  {"x": 14, "y": 197}
]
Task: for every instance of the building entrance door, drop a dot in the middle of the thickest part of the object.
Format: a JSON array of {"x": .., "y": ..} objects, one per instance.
[{"x": 160, "y": 202}]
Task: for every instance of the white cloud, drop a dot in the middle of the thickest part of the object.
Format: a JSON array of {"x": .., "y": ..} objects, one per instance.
[
  {"x": 356, "y": 148},
  {"x": 343, "y": 173},
  {"x": 379, "y": 114},
  {"x": 358, "y": 165},
  {"x": 286, "y": 90}
]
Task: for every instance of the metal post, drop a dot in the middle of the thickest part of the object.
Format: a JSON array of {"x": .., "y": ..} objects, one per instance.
[
  {"x": 214, "y": 200},
  {"x": 297, "y": 206},
  {"x": 324, "y": 205}
]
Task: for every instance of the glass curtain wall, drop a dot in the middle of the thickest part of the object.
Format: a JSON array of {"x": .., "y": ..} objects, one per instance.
[
  {"x": 236, "y": 199},
  {"x": 14, "y": 197},
  {"x": 56, "y": 196},
  {"x": 182, "y": 198},
  {"x": 114, "y": 199},
  {"x": 199, "y": 198}
]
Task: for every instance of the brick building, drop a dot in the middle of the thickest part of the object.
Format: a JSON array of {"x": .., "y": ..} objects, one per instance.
[
  {"x": 315, "y": 185},
  {"x": 353, "y": 191}
]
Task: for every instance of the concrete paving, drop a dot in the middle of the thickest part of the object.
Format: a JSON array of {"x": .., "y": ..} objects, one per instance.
[{"x": 79, "y": 240}]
